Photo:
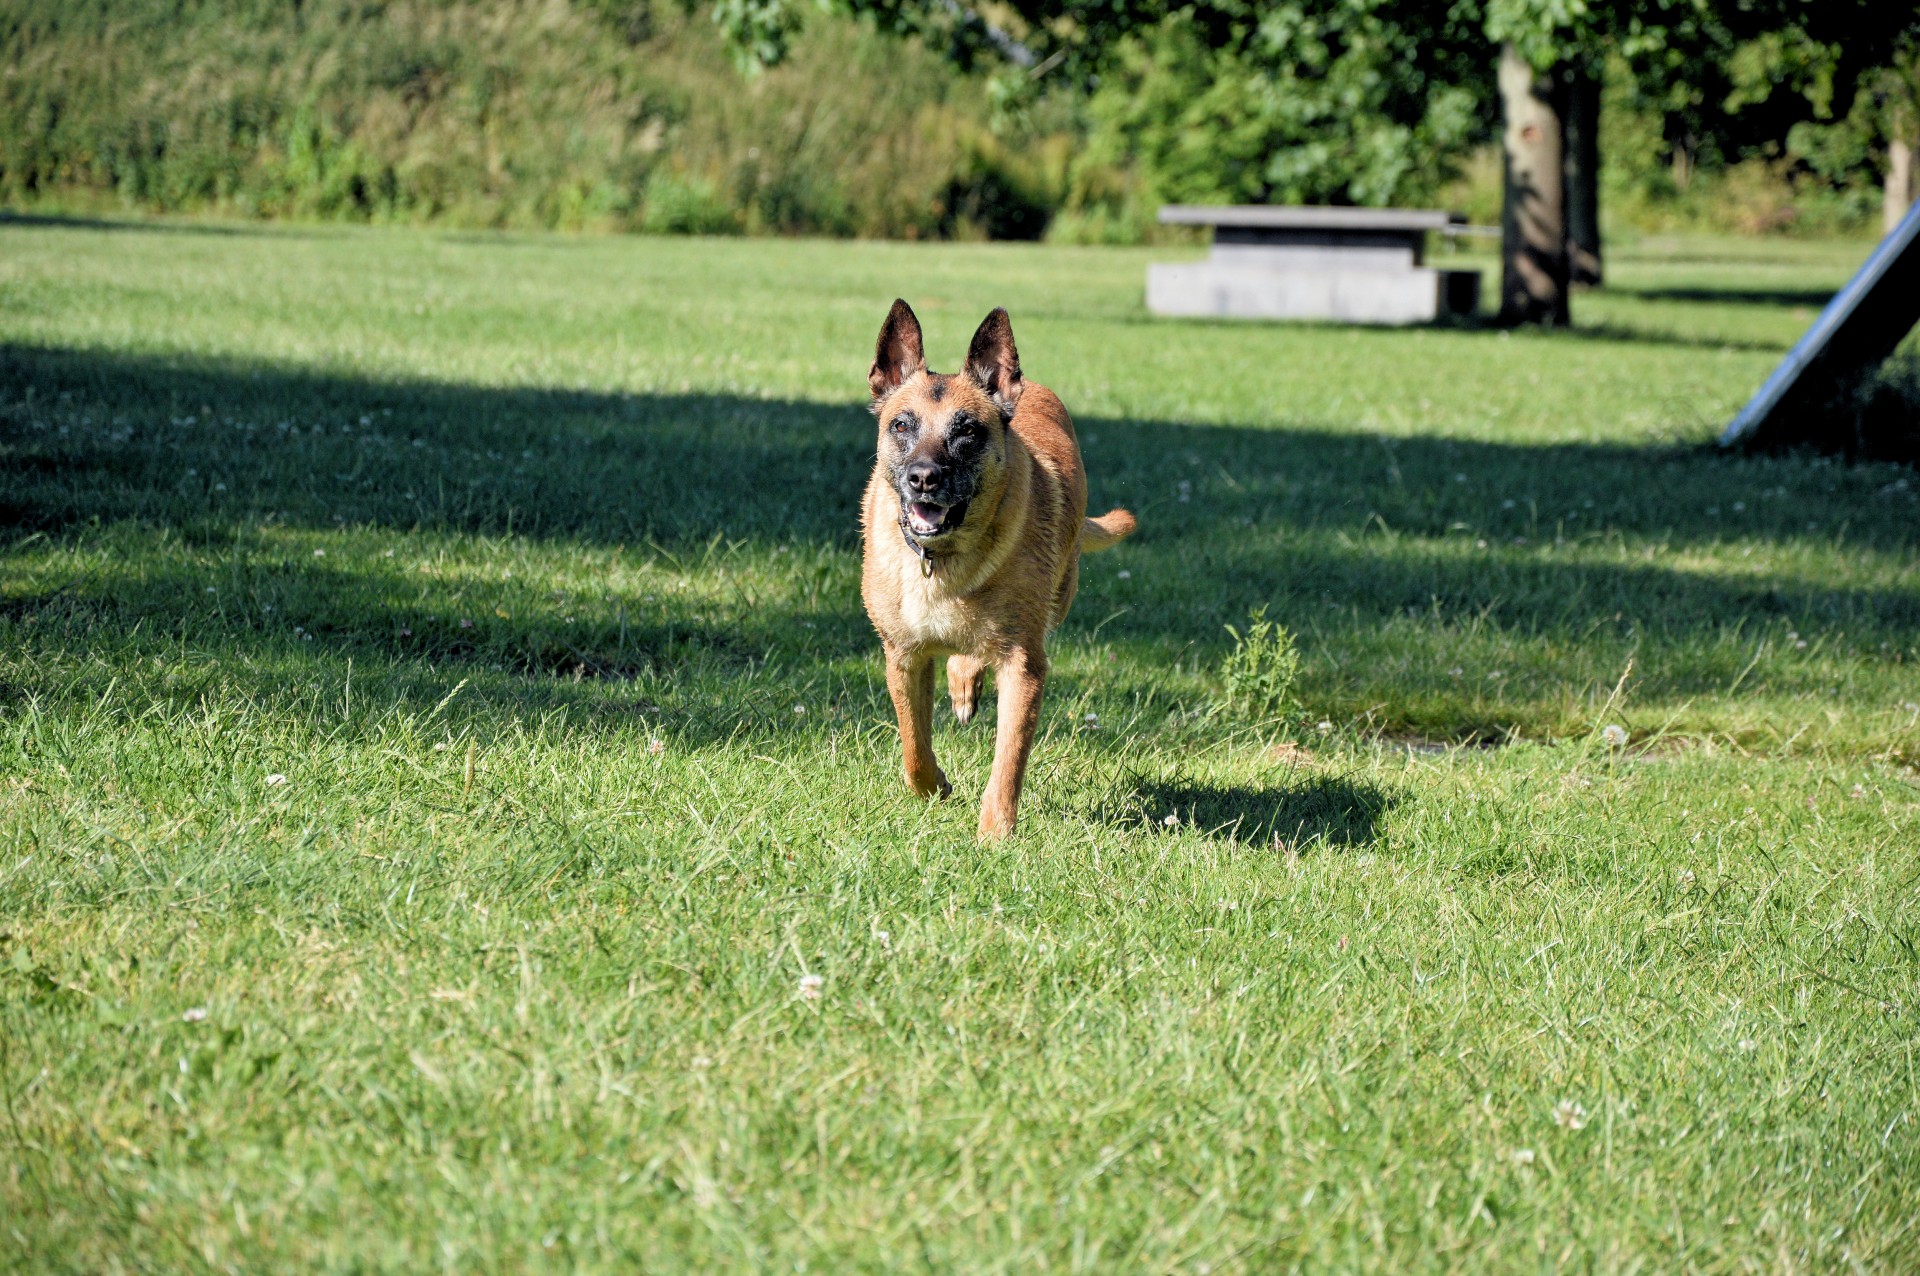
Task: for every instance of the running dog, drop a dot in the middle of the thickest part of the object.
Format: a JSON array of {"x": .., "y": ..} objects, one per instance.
[{"x": 974, "y": 522}]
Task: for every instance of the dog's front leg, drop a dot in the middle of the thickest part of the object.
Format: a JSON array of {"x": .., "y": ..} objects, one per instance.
[
  {"x": 910, "y": 683},
  {"x": 1022, "y": 676}
]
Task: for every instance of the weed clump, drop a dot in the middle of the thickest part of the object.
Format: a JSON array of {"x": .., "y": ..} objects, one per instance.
[{"x": 1257, "y": 675}]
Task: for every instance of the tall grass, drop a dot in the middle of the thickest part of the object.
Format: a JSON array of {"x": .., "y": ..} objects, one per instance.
[{"x": 516, "y": 114}]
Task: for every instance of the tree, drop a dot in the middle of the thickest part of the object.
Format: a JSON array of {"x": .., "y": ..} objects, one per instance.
[
  {"x": 1533, "y": 227},
  {"x": 1580, "y": 88},
  {"x": 1228, "y": 97}
]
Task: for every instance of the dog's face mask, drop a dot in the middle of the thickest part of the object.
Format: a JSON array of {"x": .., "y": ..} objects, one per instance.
[{"x": 943, "y": 439}]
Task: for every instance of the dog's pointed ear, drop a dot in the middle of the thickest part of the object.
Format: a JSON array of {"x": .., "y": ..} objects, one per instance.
[
  {"x": 898, "y": 354},
  {"x": 994, "y": 363}
]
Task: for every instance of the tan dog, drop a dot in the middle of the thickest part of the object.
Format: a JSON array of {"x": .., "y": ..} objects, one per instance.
[{"x": 975, "y": 520}]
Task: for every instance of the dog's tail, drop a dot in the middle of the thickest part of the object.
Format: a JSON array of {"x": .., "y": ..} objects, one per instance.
[{"x": 1108, "y": 530}]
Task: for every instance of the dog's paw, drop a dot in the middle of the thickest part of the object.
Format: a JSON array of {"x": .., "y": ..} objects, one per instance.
[
  {"x": 995, "y": 823},
  {"x": 931, "y": 786},
  {"x": 965, "y": 674}
]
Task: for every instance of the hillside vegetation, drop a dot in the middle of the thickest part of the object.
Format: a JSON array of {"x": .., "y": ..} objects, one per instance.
[
  {"x": 516, "y": 114},
  {"x": 617, "y": 115}
]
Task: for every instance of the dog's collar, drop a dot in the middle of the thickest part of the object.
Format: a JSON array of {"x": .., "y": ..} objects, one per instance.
[{"x": 920, "y": 551}]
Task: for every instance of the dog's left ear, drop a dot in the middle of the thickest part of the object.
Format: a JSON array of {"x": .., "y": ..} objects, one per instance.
[{"x": 994, "y": 363}]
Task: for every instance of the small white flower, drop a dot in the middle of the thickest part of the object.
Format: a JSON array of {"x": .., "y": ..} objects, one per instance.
[
  {"x": 1569, "y": 1115},
  {"x": 1172, "y": 821},
  {"x": 884, "y": 937},
  {"x": 1228, "y": 905},
  {"x": 319, "y": 553},
  {"x": 700, "y": 1061},
  {"x": 656, "y": 746},
  {"x": 1523, "y": 1156},
  {"x": 195, "y": 1015},
  {"x": 810, "y": 986},
  {"x": 799, "y": 711},
  {"x": 1748, "y": 1044},
  {"x": 1686, "y": 878},
  {"x": 1323, "y": 726},
  {"x": 275, "y": 780},
  {"x": 1615, "y": 735},
  {"x": 1091, "y": 721},
  {"x": 440, "y": 747},
  {"x": 1125, "y": 574}
]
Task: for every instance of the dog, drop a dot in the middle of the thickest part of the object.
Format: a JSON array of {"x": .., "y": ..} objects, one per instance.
[{"x": 973, "y": 525}]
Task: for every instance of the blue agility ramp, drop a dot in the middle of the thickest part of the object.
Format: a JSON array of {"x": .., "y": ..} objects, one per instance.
[{"x": 1858, "y": 330}]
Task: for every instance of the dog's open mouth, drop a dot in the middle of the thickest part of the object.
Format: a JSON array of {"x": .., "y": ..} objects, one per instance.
[{"x": 925, "y": 519}]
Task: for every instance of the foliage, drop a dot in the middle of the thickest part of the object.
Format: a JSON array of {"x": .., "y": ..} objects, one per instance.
[
  {"x": 517, "y": 114},
  {"x": 1258, "y": 673},
  {"x": 1308, "y": 107}
]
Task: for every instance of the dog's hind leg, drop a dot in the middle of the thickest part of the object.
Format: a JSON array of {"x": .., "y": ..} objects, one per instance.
[
  {"x": 965, "y": 675},
  {"x": 1023, "y": 680},
  {"x": 910, "y": 683}
]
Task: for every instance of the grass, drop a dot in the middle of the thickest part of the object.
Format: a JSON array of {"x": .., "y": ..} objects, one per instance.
[{"x": 530, "y": 565}]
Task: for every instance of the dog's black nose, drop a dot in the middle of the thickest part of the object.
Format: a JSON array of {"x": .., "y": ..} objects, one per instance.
[{"x": 923, "y": 476}]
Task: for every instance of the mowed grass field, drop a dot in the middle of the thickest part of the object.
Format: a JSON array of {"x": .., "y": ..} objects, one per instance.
[{"x": 450, "y": 814}]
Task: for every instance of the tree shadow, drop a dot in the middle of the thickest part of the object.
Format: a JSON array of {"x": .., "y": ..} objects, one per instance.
[
  {"x": 1307, "y": 811},
  {"x": 220, "y": 467},
  {"x": 1486, "y": 324},
  {"x": 143, "y": 225},
  {"x": 1789, "y": 298}
]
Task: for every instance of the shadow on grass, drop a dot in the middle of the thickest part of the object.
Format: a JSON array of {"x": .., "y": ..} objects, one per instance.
[
  {"x": 1470, "y": 325},
  {"x": 191, "y": 466},
  {"x": 1308, "y": 811},
  {"x": 59, "y": 221},
  {"x": 1813, "y": 298}
]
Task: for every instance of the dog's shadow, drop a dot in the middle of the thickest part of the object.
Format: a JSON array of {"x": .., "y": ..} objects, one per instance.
[{"x": 1301, "y": 812}]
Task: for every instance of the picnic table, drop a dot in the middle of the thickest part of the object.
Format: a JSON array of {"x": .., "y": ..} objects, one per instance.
[{"x": 1351, "y": 265}]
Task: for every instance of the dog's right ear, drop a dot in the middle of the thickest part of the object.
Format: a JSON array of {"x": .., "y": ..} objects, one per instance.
[{"x": 898, "y": 354}]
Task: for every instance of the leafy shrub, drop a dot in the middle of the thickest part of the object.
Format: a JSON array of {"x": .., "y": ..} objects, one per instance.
[
  {"x": 685, "y": 206},
  {"x": 1258, "y": 673}
]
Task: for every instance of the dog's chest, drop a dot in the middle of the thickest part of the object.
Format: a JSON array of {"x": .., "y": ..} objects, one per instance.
[{"x": 932, "y": 616}]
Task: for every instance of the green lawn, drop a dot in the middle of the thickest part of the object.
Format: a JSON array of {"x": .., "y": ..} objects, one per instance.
[{"x": 438, "y": 733}]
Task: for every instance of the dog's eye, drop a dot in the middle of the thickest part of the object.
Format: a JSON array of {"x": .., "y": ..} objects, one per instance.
[
  {"x": 965, "y": 431},
  {"x": 898, "y": 428}
]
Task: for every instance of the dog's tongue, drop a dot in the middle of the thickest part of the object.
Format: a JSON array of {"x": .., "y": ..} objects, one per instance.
[{"x": 925, "y": 519}]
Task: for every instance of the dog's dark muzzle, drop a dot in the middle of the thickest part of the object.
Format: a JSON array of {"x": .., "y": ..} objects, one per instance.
[{"x": 926, "y": 519}]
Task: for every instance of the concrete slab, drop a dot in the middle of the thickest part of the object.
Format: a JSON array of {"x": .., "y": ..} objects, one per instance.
[{"x": 1228, "y": 290}]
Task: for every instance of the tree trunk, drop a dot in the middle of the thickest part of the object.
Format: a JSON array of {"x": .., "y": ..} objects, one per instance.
[
  {"x": 1583, "y": 172},
  {"x": 1903, "y": 182},
  {"x": 1533, "y": 227}
]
